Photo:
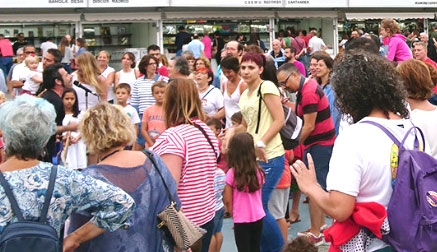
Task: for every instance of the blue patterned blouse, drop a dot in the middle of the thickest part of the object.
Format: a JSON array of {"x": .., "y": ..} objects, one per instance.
[{"x": 111, "y": 207}]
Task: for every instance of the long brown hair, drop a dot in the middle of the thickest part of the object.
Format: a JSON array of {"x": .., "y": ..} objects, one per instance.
[
  {"x": 62, "y": 45},
  {"x": 242, "y": 157},
  {"x": 181, "y": 103}
]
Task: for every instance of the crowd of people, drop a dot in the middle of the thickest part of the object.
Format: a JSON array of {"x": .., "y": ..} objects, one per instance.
[{"x": 214, "y": 137}]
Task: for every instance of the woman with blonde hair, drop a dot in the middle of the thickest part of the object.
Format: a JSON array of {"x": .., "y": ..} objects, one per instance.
[
  {"x": 107, "y": 130},
  {"x": 398, "y": 49},
  {"x": 89, "y": 75},
  {"x": 417, "y": 80},
  {"x": 202, "y": 61},
  {"x": 189, "y": 149},
  {"x": 108, "y": 72}
]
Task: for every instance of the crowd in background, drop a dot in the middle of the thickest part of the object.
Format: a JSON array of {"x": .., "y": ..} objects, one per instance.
[{"x": 214, "y": 134}]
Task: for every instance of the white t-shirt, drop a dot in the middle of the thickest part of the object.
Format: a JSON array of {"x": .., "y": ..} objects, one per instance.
[
  {"x": 427, "y": 122},
  {"x": 20, "y": 72},
  {"x": 105, "y": 74},
  {"x": 132, "y": 113},
  {"x": 30, "y": 85},
  {"x": 212, "y": 100},
  {"x": 46, "y": 46},
  {"x": 360, "y": 162},
  {"x": 316, "y": 44}
]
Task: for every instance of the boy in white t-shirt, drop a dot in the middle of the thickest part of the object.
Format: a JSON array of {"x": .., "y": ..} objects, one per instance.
[{"x": 122, "y": 93}]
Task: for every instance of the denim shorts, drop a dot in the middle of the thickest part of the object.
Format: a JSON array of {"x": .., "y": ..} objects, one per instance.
[
  {"x": 218, "y": 220},
  {"x": 321, "y": 156}
]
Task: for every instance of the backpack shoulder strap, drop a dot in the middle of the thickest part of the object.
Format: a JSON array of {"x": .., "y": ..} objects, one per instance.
[
  {"x": 396, "y": 141},
  {"x": 388, "y": 133},
  {"x": 49, "y": 193},
  {"x": 15, "y": 209}
]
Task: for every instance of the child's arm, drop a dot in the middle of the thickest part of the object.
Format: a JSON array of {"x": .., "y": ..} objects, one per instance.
[
  {"x": 145, "y": 128},
  {"x": 36, "y": 78},
  {"x": 227, "y": 198},
  {"x": 116, "y": 80},
  {"x": 145, "y": 133}
]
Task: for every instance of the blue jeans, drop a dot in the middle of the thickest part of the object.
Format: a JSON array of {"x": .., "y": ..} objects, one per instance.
[
  {"x": 321, "y": 156},
  {"x": 271, "y": 238},
  {"x": 5, "y": 65},
  {"x": 67, "y": 67}
]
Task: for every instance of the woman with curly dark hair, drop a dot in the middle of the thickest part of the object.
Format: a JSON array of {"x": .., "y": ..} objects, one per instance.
[{"x": 368, "y": 88}]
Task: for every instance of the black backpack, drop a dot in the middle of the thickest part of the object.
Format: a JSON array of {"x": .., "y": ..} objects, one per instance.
[{"x": 30, "y": 235}]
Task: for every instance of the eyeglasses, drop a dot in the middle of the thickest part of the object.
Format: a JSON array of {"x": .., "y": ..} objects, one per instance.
[
  {"x": 29, "y": 52},
  {"x": 283, "y": 83}
]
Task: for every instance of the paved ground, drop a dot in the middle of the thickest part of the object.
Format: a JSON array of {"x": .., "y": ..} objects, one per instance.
[{"x": 228, "y": 234}]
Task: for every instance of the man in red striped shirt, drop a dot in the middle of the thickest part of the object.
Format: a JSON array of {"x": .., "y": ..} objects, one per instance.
[{"x": 318, "y": 135}]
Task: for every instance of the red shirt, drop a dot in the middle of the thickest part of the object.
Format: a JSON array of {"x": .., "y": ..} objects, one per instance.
[
  {"x": 430, "y": 61},
  {"x": 285, "y": 180},
  {"x": 6, "y": 48}
]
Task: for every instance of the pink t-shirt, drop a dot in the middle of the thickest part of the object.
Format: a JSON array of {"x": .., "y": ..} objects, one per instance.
[
  {"x": 154, "y": 118},
  {"x": 196, "y": 184},
  {"x": 247, "y": 207},
  {"x": 207, "y": 42}
]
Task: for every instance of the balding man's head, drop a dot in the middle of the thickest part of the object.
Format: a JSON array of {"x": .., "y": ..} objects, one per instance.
[
  {"x": 276, "y": 45},
  {"x": 234, "y": 48}
]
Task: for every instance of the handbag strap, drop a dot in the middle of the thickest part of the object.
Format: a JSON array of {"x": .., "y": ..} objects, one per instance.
[
  {"x": 150, "y": 157},
  {"x": 207, "y": 93},
  {"x": 207, "y": 138},
  {"x": 16, "y": 209},
  {"x": 259, "y": 107}
]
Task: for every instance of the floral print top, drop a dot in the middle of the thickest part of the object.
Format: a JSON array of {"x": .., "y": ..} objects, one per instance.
[{"x": 110, "y": 206}]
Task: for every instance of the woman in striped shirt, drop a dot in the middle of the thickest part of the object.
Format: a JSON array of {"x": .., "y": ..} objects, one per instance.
[{"x": 189, "y": 149}]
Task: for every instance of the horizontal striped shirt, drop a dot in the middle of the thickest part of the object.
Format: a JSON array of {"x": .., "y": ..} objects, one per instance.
[
  {"x": 196, "y": 184},
  {"x": 314, "y": 100},
  {"x": 219, "y": 187},
  {"x": 142, "y": 96}
]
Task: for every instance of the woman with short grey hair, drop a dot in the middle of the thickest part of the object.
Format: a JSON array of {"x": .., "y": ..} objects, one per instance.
[{"x": 27, "y": 124}]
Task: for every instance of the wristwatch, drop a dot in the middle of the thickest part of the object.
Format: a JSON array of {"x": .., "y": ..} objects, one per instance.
[{"x": 260, "y": 144}]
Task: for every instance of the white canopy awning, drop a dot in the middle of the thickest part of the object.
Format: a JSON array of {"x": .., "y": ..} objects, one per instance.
[
  {"x": 219, "y": 15},
  {"x": 39, "y": 18},
  {"x": 123, "y": 16},
  {"x": 307, "y": 14},
  {"x": 394, "y": 15}
]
